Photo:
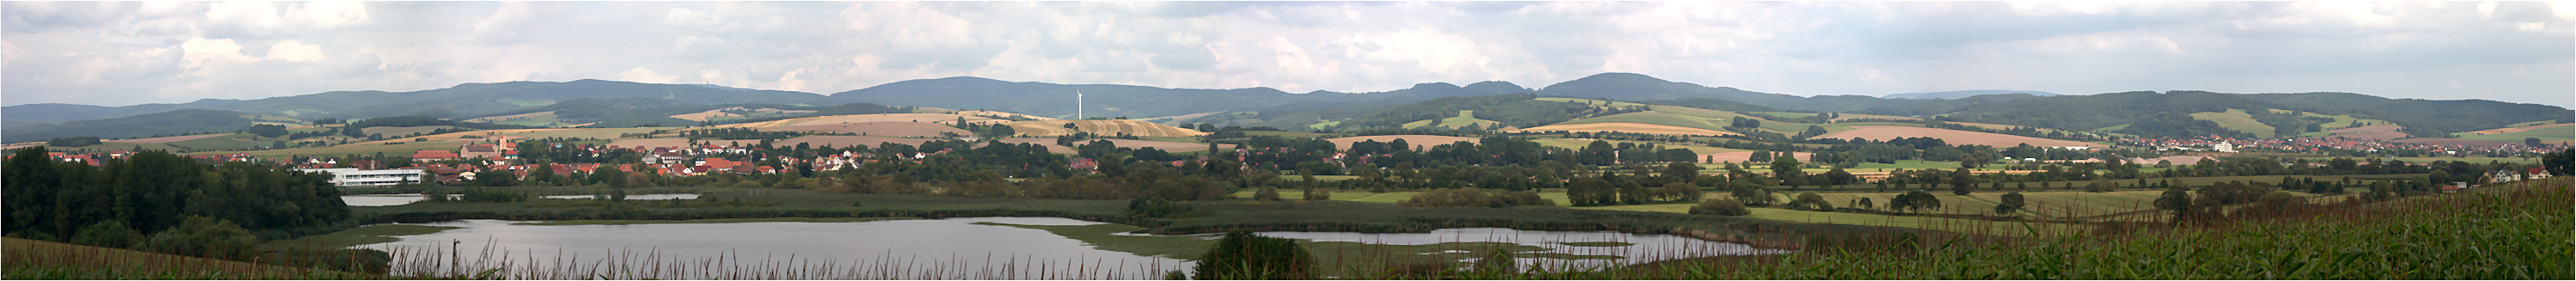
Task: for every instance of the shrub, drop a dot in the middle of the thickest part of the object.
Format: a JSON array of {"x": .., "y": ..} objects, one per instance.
[
  {"x": 1318, "y": 194},
  {"x": 206, "y": 238},
  {"x": 1157, "y": 207},
  {"x": 1245, "y": 256},
  {"x": 1722, "y": 207},
  {"x": 1810, "y": 201},
  {"x": 110, "y": 234},
  {"x": 1471, "y": 197},
  {"x": 1267, "y": 194}
]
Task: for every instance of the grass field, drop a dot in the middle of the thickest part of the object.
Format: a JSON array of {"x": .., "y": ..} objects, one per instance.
[
  {"x": 371, "y": 234},
  {"x": 2504, "y": 234},
  {"x": 2545, "y": 134},
  {"x": 391, "y": 132},
  {"x": 403, "y": 149},
  {"x": 40, "y": 260},
  {"x": 2238, "y": 120},
  {"x": 1657, "y": 118},
  {"x": 1698, "y": 112}
]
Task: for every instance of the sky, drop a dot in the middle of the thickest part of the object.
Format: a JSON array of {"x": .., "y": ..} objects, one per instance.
[{"x": 124, "y": 53}]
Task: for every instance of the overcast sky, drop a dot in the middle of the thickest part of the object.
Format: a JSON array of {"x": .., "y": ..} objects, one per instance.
[{"x": 123, "y": 53}]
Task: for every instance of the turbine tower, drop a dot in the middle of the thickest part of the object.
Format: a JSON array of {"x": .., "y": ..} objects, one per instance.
[{"x": 1077, "y": 103}]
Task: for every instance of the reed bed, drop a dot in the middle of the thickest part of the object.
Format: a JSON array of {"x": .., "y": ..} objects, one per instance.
[{"x": 31, "y": 259}]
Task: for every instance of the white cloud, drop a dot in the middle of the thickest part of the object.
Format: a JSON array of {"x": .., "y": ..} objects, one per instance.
[
  {"x": 290, "y": 50},
  {"x": 125, "y": 52}
]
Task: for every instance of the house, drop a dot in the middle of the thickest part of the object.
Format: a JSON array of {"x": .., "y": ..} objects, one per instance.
[
  {"x": 432, "y": 155},
  {"x": 481, "y": 151}
]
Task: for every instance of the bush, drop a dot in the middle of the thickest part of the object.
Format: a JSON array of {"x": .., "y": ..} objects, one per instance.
[
  {"x": 1471, "y": 197},
  {"x": 1318, "y": 194},
  {"x": 1266, "y": 194},
  {"x": 1810, "y": 201},
  {"x": 1245, "y": 256},
  {"x": 1157, "y": 207},
  {"x": 1722, "y": 207},
  {"x": 110, "y": 234},
  {"x": 206, "y": 238}
]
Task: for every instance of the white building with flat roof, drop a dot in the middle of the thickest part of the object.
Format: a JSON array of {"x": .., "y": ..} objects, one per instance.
[{"x": 354, "y": 177}]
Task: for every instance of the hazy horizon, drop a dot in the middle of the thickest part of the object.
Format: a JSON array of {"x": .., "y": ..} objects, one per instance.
[{"x": 125, "y": 53}]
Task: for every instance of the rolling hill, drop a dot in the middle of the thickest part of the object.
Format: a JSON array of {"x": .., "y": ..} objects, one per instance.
[
  {"x": 1049, "y": 128},
  {"x": 1963, "y": 94}
]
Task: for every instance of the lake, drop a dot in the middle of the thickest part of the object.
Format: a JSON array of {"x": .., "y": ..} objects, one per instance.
[
  {"x": 955, "y": 248},
  {"x": 377, "y": 200}
]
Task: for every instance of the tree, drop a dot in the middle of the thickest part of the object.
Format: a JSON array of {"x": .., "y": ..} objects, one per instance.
[
  {"x": 1722, "y": 207},
  {"x": 1680, "y": 192},
  {"x": 1246, "y": 256},
  {"x": 1751, "y": 194},
  {"x": 2012, "y": 202},
  {"x": 2533, "y": 142},
  {"x": 1785, "y": 167},
  {"x": 1810, "y": 201},
  {"x": 1913, "y": 201},
  {"x": 2176, "y": 199},
  {"x": 2557, "y": 163},
  {"x": 1318, "y": 194},
  {"x": 1962, "y": 183},
  {"x": 109, "y": 234},
  {"x": 1681, "y": 172},
  {"x": 1590, "y": 192},
  {"x": 205, "y": 238},
  {"x": 1267, "y": 194}
]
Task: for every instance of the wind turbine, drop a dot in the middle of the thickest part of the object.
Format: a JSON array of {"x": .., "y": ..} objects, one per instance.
[{"x": 1077, "y": 103}]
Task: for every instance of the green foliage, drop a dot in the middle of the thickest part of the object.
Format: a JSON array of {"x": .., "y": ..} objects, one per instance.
[
  {"x": 1156, "y": 207},
  {"x": 166, "y": 123},
  {"x": 2012, "y": 202},
  {"x": 1246, "y": 256},
  {"x": 2558, "y": 162},
  {"x": 110, "y": 234},
  {"x": 1914, "y": 201},
  {"x": 1471, "y": 197},
  {"x": 206, "y": 238},
  {"x": 74, "y": 141},
  {"x": 1810, "y": 201},
  {"x": 155, "y": 190},
  {"x": 1722, "y": 207}
]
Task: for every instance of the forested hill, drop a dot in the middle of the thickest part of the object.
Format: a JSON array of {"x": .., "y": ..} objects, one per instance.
[
  {"x": 2168, "y": 114},
  {"x": 1049, "y": 99},
  {"x": 465, "y": 100},
  {"x": 173, "y": 122}
]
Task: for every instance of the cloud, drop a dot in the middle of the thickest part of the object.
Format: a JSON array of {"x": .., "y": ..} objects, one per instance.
[{"x": 116, "y": 53}]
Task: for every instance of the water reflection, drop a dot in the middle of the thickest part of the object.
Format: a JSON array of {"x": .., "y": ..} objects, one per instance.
[
  {"x": 895, "y": 249},
  {"x": 630, "y": 197}
]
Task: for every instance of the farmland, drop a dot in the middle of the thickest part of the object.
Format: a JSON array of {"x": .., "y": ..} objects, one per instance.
[
  {"x": 1638, "y": 128},
  {"x": 1882, "y": 133},
  {"x": 1048, "y": 128}
]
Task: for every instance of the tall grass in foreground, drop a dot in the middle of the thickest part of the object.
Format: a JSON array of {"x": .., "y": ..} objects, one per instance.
[
  {"x": 31, "y": 259},
  {"x": 2516, "y": 231}
]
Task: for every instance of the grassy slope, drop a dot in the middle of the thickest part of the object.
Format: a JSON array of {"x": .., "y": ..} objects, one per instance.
[
  {"x": 371, "y": 234},
  {"x": 2499, "y": 234},
  {"x": 30, "y": 259},
  {"x": 2558, "y": 133},
  {"x": 2236, "y": 119}
]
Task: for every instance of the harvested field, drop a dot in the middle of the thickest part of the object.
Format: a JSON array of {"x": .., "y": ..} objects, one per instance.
[
  {"x": 720, "y": 112},
  {"x": 674, "y": 142},
  {"x": 2176, "y": 160},
  {"x": 1658, "y": 118},
  {"x": 2455, "y": 142},
  {"x": 1849, "y": 116},
  {"x": 1167, "y": 146},
  {"x": 2371, "y": 136},
  {"x": 1425, "y": 141},
  {"x": 899, "y": 129},
  {"x": 846, "y": 141},
  {"x": 1999, "y": 126},
  {"x": 865, "y": 118},
  {"x": 999, "y": 113},
  {"x": 514, "y": 117},
  {"x": 169, "y": 139},
  {"x": 1627, "y": 128},
  {"x": 1182, "y": 117},
  {"x": 1741, "y": 157},
  {"x": 2238, "y": 120},
  {"x": 2367, "y": 129},
  {"x": 1049, "y": 128},
  {"x": 2517, "y": 129},
  {"x": 1954, "y": 137}
]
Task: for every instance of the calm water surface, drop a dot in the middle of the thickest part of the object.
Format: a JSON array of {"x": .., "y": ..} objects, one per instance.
[{"x": 825, "y": 250}]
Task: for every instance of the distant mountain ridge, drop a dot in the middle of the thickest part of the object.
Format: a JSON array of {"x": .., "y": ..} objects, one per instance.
[
  {"x": 1963, "y": 94},
  {"x": 1111, "y": 100}
]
